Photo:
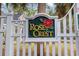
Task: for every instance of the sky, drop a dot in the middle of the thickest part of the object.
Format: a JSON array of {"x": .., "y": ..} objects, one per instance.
[{"x": 4, "y": 8}]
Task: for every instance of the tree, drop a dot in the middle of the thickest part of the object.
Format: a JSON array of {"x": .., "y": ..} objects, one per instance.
[
  {"x": 62, "y": 9},
  {"x": 17, "y": 7},
  {"x": 41, "y": 7},
  {"x": 21, "y": 8}
]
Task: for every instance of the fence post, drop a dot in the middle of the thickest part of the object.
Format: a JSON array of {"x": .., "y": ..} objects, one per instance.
[
  {"x": 9, "y": 40},
  {"x": 76, "y": 28},
  {"x": 1, "y": 35}
]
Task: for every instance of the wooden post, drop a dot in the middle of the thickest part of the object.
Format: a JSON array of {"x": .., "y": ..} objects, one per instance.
[{"x": 9, "y": 39}]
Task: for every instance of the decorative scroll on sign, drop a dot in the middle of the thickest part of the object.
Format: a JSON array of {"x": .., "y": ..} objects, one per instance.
[{"x": 41, "y": 27}]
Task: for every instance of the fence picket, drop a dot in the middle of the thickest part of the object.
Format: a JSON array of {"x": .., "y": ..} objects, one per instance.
[
  {"x": 24, "y": 47},
  {"x": 59, "y": 39},
  {"x": 53, "y": 48},
  {"x": 41, "y": 49},
  {"x": 1, "y": 44},
  {"x": 65, "y": 38},
  {"x": 9, "y": 39},
  {"x": 1, "y": 36},
  {"x": 70, "y": 30},
  {"x": 18, "y": 46},
  {"x": 47, "y": 49},
  {"x": 23, "y": 35},
  {"x": 35, "y": 49},
  {"x": 29, "y": 49}
]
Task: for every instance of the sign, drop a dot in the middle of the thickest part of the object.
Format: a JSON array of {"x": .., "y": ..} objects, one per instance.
[{"x": 41, "y": 27}]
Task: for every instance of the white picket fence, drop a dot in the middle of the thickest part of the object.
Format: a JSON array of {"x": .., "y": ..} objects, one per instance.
[{"x": 13, "y": 39}]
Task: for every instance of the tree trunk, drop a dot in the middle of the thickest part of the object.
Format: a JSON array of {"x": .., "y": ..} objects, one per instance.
[{"x": 41, "y": 9}]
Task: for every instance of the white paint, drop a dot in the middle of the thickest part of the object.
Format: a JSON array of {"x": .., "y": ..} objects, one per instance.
[
  {"x": 76, "y": 28},
  {"x": 41, "y": 49},
  {"x": 24, "y": 47},
  {"x": 59, "y": 38},
  {"x": 29, "y": 49},
  {"x": 1, "y": 44},
  {"x": 65, "y": 38},
  {"x": 53, "y": 49},
  {"x": 35, "y": 49},
  {"x": 9, "y": 40},
  {"x": 71, "y": 38},
  {"x": 47, "y": 49},
  {"x": 18, "y": 46}
]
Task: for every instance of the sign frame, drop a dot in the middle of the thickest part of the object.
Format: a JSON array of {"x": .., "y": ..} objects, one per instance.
[{"x": 41, "y": 39}]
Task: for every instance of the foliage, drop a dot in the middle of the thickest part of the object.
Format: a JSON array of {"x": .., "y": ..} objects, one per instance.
[
  {"x": 23, "y": 9},
  {"x": 30, "y": 12},
  {"x": 62, "y": 9},
  {"x": 51, "y": 13},
  {"x": 19, "y": 8}
]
